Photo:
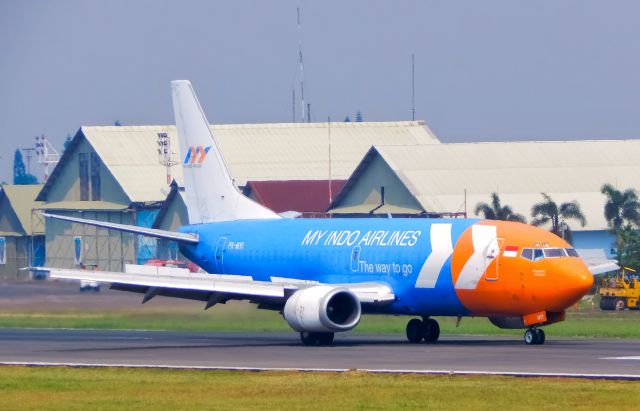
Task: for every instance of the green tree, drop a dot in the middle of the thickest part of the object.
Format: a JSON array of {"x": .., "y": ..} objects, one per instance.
[
  {"x": 628, "y": 255},
  {"x": 548, "y": 211},
  {"x": 621, "y": 207},
  {"x": 496, "y": 211},
  {"x": 67, "y": 142},
  {"x": 20, "y": 175}
]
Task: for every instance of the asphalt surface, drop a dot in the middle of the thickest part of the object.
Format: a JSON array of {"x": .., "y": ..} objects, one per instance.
[{"x": 481, "y": 355}]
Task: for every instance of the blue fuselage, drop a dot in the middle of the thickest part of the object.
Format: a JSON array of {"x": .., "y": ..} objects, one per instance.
[{"x": 335, "y": 251}]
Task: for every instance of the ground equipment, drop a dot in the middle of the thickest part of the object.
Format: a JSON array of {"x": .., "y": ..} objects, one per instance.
[{"x": 621, "y": 291}]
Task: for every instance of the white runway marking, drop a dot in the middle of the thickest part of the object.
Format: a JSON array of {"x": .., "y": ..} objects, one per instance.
[
  {"x": 340, "y": 370},
  {"x": 632, "y": 357}
]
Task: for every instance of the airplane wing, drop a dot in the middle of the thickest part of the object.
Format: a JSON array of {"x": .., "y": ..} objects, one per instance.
[
  {"x": 212, "y": 288},
  {"x": 151, "y": 232},
  {"x": 596, "y": 261},
  {"x": 598, "y": 266}
]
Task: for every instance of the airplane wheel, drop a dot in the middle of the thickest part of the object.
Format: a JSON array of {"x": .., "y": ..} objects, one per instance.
[
  {"x": 325, "y": 338},
  {"x": 308, "y": 338},
  {"x": 530, "y": 336},
  {"x": 540, "y": 337},
  {"x": 431, "y": 331},
  {"x": 621, "y": 304},
  {"x": 415, "y": 330}
]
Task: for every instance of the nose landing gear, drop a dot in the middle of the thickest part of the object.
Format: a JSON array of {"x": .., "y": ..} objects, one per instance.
[
  {"x": 426, "y": 329},
  {"x": 534, "y": 336}
]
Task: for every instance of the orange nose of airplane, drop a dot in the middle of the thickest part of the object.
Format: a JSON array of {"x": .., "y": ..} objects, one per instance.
[{"x": 574, "y": 282}]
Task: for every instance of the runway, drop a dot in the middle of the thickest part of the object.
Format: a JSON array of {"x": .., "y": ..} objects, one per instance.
[{"x": 597, "y": 358}]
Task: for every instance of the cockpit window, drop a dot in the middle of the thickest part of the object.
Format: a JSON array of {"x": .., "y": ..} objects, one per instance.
[
  {"x": 537, "y": 254},
  {"x": 571, "y": 252},
  {"x": 527, "y": 253},
  {"x": 553, "y": 252}
]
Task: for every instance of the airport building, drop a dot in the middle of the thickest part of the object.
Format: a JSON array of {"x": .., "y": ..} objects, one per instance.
[
  {"x": 450, "y": 179},
  {"x": 115, "y": 174},
  {"x": 383, "y": 169},
  {"x": 21, "y": 231}
]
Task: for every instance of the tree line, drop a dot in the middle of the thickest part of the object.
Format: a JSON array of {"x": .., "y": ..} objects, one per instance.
[{"x": 621, "y": 211}]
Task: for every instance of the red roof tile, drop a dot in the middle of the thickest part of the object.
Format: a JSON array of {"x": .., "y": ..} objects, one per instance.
[{"x": 304, "y": 196}]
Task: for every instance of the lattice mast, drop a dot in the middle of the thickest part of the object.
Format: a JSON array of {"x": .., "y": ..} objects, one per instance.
[{"x": 165, "y": 154}]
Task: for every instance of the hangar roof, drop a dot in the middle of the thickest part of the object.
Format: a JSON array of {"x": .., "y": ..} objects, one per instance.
[
  {"x": 22, "y": 201},
  {"x": 286, "y": 151},
  {"x": 439, "y": 175},
  {"x": 305, "y": 196}
]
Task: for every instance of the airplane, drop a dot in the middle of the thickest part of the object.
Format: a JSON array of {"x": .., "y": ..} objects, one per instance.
[{"x": 322, "y": 275}]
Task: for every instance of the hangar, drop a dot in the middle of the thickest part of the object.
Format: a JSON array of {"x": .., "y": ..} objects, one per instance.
[
  {"x": 450, "y": 179},
  {"x": 113, "y": 173},
  {"x": 21, "y": 231}
]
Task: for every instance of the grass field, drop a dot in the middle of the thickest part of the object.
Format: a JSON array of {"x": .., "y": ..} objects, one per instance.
[
  {"x": 59, "y": 388},
  {"x": 237, "y": 316}
]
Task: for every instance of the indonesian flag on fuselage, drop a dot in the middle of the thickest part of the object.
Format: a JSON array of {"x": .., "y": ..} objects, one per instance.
[{"x": 510, "y": 251}]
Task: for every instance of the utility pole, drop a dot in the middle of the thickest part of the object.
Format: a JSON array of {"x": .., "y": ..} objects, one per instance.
[
  {"x": 329, "y": 139},
  {"x": 413, "y": 87},
  {"x": 28, "y": 153}
]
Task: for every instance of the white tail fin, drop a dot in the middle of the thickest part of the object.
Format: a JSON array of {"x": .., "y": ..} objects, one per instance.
[{"x": 210, "y": 192}]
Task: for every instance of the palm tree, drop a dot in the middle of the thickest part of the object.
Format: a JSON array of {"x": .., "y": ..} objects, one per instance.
[
  {"x": 621, "y": 207},
  {"x": 548, "y": 211},
  {"x": 496, "y": 211}
]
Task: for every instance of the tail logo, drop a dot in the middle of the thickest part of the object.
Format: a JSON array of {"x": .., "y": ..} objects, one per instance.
[{"x": 195, "y": 156}]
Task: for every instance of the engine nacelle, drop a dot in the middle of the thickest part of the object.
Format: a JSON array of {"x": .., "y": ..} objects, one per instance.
[{"x": 323, "y": 308}]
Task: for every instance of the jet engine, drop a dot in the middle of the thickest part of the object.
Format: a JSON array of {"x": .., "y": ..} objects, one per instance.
[{"x": 322, "y": 308}]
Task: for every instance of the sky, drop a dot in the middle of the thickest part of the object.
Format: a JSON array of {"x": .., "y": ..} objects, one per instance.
[{"x": 484, "y": 70}]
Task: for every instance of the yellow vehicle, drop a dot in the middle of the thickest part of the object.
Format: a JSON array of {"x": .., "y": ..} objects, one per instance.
[{"x": 621, "y": 291}]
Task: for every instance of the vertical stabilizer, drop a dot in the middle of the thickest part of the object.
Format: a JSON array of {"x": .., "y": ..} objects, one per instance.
[{"x": 210, "y": 192}]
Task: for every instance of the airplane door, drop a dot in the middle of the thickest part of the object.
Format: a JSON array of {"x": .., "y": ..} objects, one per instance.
[
  {"x": 219, "y": 254},
  {"x": 492, "y": 259}
]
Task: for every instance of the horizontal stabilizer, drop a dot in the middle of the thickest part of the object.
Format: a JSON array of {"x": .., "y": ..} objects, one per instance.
[{"x": 150, "y": 232}]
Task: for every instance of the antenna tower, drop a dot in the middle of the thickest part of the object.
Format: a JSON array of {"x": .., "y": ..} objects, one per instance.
[
  {"x": 164, "y": 153},
  {"x": 47, "y": 155},
  {"x": 301, "y": 65}
]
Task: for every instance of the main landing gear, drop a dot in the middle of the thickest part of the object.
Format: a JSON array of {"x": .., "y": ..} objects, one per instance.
[
  {"x": 426, "y": 329},
  {"x": 310, "y": 338},
  {"x": 534, "y": 336}
]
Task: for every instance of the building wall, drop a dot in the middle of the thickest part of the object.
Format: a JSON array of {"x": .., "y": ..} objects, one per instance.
[
  {"x": 366, "y": 193},
  {"x": 174, "y": 216},
  {"x": 17, "y": 253},
  {"x": 67, "y": 183},
  {"x": 107, "y": 249},
  {"x": 8, "y": 219}
]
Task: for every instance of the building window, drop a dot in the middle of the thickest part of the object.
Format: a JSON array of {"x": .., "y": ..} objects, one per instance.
[
  {"x": 83, "y": 159},
  {"x": 95, "y": 177}
]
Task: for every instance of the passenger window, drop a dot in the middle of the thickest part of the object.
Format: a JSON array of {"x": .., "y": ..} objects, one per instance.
[
  {"x": 527, "y": 253},
  {"x": 553, "y": 252},
  {"x": 571, "y": 252},
  {"x": 537, "y": 254}
]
